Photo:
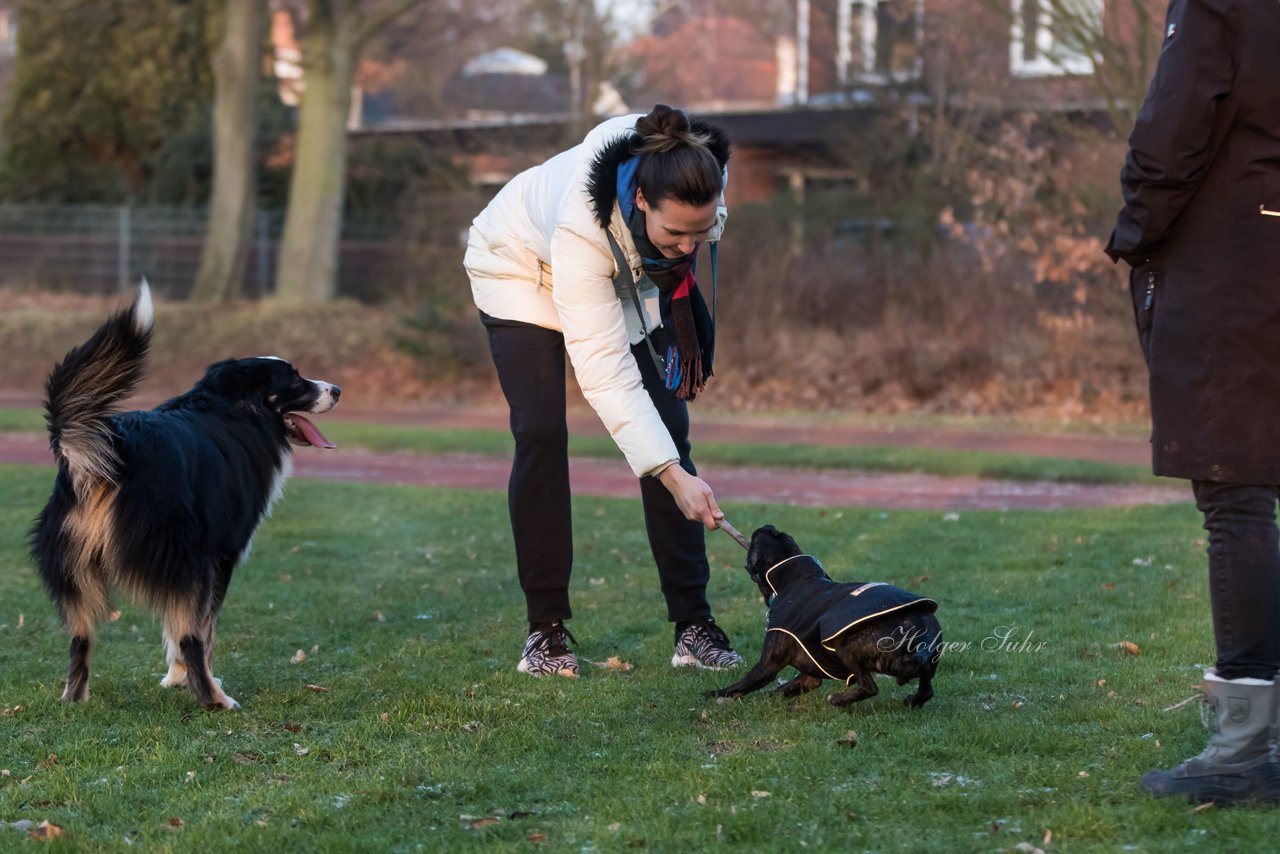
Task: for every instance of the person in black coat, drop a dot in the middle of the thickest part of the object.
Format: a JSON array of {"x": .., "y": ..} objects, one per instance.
[{"x": 1200, "y": 228}]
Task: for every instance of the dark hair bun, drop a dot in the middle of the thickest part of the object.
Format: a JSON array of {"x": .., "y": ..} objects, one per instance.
[
  {"x": 675, "y": 161},
  {"x": 663, "y": 129}
]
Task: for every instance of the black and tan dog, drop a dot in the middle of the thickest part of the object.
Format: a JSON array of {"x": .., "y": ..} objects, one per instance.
[
  {"x": 162, "y": 504},
  {"x": 828, "y": 630}
]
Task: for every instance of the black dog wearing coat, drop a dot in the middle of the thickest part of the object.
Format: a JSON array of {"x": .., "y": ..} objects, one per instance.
[
  {"x": 828, "y": 630},
  {"x": 162, "y": 504}
]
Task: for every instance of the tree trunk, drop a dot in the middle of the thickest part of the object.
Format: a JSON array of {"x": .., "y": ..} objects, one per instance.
[
  {"x": 308, "y": 264},
  {"x": 237, "y": 68}
]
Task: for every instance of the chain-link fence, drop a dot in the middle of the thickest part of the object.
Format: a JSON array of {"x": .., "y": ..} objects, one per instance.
[{"x": 103, "y": 248}]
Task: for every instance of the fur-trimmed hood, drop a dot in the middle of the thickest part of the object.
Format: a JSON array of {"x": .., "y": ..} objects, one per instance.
[{"x": 602, "y": 181}]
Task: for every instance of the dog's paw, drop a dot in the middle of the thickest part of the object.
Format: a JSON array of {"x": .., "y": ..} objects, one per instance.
[
  {"x": 226, "y": 701},
  {"x": 175, "y": 678}
]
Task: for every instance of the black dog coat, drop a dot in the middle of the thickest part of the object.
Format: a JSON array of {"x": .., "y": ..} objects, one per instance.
[{"x": 815, "y": 611}]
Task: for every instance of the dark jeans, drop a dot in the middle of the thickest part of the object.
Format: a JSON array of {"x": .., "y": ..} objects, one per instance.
[
  {"x": 531, "y": 370},
  {"x": 1244, "y": 576}
]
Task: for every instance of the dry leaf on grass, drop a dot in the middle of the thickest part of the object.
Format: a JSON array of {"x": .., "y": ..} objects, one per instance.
[
  {"x": 246, "y": 758},
  {"x": 298, "y": 657},
  {"x": 48, "y": 762},
  {"x": 471, "y": 822},
  {"x": 1129, "y": 647},
  {"x": 317, "y": 689},
  {"x": 175, "y": 823},
  {"x": 290, "y": 726},
  {"x": 615, "y": 663},
  {"x": 46, "y": 830},
  {"x": 300, "y": 750},
  {"x": 756, "y": 793},
  {"x": 850, "y": 739},
  {"x": 537, "y": 838}
]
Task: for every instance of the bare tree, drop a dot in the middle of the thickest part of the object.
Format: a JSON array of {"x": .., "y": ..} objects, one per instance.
[
  {"x": 237, "y": 68},
  {"x": 580, "y": 34},
  {"x": 336, "y": 31},
  {"x": 1125, "y": 45},
  {"x": 1121, "y": 38}
]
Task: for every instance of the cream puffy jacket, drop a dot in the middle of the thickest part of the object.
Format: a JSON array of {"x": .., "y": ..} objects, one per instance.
[{"x": 538, "y": 253}]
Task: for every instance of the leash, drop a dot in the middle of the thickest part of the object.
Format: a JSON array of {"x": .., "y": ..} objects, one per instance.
[{"x": 735, "y": 533}]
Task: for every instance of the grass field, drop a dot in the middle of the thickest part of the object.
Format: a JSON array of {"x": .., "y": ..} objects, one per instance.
[
  {"x": 417, "y": 733},
  {"x": 433, "y": 440}
]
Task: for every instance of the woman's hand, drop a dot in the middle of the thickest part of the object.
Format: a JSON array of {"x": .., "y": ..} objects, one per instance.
[{"x": 694, "y": 498}]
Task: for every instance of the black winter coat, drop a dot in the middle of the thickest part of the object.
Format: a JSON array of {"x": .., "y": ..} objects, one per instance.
[
  {"x": 1201, "y": 227},
  {"x": 815, "y": 611}
]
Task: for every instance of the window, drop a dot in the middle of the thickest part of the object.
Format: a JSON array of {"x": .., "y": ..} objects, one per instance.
[
  {"x": 1052, "y": 37},
  {"x": 878, "y": 41},
  {"x": 8, "y": 33}
]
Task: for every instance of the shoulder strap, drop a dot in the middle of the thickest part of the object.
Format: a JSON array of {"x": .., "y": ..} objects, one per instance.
[
  {"x": 624, "y": 274},
  {"x": 714, "y": 244}
]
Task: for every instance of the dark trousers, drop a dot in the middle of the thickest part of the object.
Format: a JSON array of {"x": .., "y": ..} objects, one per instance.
[
  {"x": 531, "y": 370},
  {"x": 1244, "y": 576}
]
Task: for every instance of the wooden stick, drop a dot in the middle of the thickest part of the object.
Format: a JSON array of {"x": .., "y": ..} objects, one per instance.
[
  {"x": 735, "y": 533},
  {"x": 1179, "y": 705}
]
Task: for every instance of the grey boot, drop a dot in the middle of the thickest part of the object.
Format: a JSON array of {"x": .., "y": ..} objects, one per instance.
[{"x": 1239, "y": 765}]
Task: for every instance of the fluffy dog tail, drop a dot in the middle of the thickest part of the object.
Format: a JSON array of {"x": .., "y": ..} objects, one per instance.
[{"x": 82, "y": 392}]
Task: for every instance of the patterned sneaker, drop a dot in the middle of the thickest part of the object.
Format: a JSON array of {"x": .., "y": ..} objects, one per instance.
[
  {"x": 546, "y": 654},
  {"x": 702, "y": 643}
]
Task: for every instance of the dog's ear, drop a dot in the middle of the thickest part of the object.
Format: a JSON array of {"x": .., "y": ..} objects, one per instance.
[
  {"x": 768, "y": 530},
  {"x": 786, "y": 543},
  {"x": 234, "y": 379},
  {"x": 768, "y": 538}
]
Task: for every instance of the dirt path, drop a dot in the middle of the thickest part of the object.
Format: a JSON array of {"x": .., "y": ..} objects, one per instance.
[
  {"x": 763, "y": 485},
  {"x": 757, "y": 429}
]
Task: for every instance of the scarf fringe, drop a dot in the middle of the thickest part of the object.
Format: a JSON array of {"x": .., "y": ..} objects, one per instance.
[{"x": 684, "y": 375}]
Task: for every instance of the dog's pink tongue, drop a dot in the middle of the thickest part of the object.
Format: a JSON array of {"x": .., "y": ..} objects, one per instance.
[{"x": 310, "y": 432}]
